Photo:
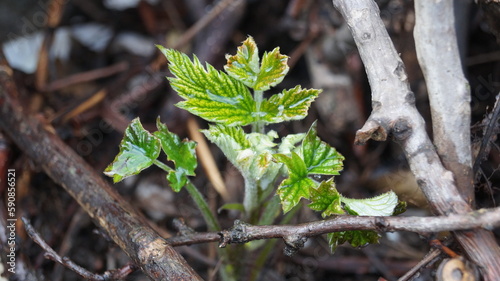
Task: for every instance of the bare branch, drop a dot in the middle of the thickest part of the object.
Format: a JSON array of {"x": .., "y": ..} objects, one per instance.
[
  {"x": 448, "y": 90},
  {"x": 243, "y": 232},
  {"x": 127, "y": 229},
  {"x": 117, "y": 274},
  {"x": 394, "y": 113}
]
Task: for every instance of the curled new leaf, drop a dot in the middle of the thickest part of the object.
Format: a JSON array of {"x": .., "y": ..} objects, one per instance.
[
  {"x": 138, "y": 150},
  {"x": 326, "y": 198},
  {"x": 250, "y": 153},
  {"x": 231, "y": 140}
]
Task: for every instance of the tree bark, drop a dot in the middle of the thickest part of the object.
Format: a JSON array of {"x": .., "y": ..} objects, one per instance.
[
  {"x": 394, "y": 113},
  {"x": 111, "y": 212},
  {"x": 439, "y": 58}
]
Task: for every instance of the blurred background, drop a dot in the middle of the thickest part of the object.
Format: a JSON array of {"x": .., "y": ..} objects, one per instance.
[{"x": 88, "y": 67}]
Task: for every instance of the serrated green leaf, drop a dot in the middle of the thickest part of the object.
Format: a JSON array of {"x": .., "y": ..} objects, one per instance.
[
  {"x": 244, "y": 66},
  {"x": 231, "y": 140},
  {"x": 138, "y": 150},
  {"x": 326, "y": 198},
  {"x": 209, "y": 93},
  {"x": 272, "y": 71},
  {"x": 382, "y": 205},
  {"x": 182, "y": 153},
  {"x": 357, "y": 238},
  {"x": 291, "y": 104},
  {"x": 319, "y": 157},
  {"x": 297, "y": 185}
]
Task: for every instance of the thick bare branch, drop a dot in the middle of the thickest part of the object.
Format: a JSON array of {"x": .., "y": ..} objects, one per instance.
[
  {"x": 127, "y": 229},
  {"x": 448, "y": 90},
  {"x": 393, "y": 103},
  {"x": 394, "y": 113}
]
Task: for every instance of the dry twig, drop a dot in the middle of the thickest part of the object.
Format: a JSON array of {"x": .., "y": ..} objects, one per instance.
[
  {"x": 243, "y": 232},
  {"x": 117, "y": 274}
]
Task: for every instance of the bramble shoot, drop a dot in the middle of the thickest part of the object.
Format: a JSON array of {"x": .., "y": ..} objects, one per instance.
[{"x": 230, "y": 100}]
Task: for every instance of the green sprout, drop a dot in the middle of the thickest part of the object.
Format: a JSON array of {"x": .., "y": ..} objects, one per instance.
[{"x": 231, "y": 100}]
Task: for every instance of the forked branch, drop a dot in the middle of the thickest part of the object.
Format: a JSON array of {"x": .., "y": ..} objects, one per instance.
[{"x": 394, "y": 114}]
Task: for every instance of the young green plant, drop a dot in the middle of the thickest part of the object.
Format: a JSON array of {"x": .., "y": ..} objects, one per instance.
[{"x": 230, "y": 101}]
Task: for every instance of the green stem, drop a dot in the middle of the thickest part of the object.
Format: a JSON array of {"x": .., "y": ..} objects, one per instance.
[
  {"x": 227, "y": 271},
  {"x": 271, "y": 211},
  {"x": 250, "y": 201},
  {"x": 201, "y": 203},
  {"x": 258, "y": 126},
  {"x": 251, "y": 197},
  {"x": 269, "y": 247},
  {"x": 162, "y": 166},
  {"x": 213, "y": 224}
]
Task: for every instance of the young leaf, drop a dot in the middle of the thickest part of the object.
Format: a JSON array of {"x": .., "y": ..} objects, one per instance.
[
  {"x": 400, "y": 208},
  {"x": 231, "y": 140},
  {"x": 288, "y": 143},
  {"x": 244, "y": 66},
  {"x": 138, "y": 150},
  {"x": 319, "y": 157},
  {"x": 208, "y": 93},
  {"x": 297, "y": 185},
  {"x": 182, "y": 153},
  {"x": 326, "y": 198},
  {"x": 357, "y": 238},
  {"x": 250, "y": 153},
  {"x": 291, "y": 104},
  {"x": 382, "y": 205},
  {"x": 272, "y": 71}
]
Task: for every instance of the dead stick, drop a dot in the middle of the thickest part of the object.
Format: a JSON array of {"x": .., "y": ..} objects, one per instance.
[
  {"x": 116, "y": 274},
  {"x": 87, "y": 76},
  {"x": 127, "y": 229},
  {"x": 243, "y": 232}
]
